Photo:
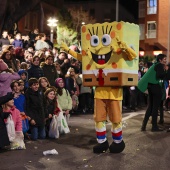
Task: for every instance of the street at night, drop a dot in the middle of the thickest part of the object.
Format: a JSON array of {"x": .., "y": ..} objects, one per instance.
[{"x": 144, "y": 150}]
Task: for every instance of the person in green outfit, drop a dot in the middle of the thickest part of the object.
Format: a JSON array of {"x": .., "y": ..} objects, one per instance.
[{"x": 153, "y": 80}]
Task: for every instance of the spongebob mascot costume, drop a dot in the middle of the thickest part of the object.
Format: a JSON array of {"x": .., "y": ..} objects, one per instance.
[{"x": 109, "y": 61}]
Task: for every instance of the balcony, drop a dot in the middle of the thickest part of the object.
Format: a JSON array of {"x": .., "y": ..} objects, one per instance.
[{"x": 151, "y": 34}]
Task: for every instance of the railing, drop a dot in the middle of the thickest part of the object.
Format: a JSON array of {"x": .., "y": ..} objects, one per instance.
[{"x": 151, "y": 34}]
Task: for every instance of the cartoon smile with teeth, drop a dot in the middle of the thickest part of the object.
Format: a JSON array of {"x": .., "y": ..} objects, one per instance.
[
  {"x": 108, "y": 46},
  {"x": 109, "y": 61}
]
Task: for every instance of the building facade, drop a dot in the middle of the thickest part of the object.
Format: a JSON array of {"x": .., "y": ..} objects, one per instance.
[{"x": 154, "y": 23}]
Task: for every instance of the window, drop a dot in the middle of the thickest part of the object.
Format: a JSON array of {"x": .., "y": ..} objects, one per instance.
[
  {"x": 152, "y": 7},
  {"x": 151, "y": 29},
  {"x": 142, "y": 9},
  {"x": 142, "y": 31}
]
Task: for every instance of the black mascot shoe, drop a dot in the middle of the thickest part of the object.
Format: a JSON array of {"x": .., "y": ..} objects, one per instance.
[
  {"x": 117, "y": 147},
  {"x": 101, "y": 147}
]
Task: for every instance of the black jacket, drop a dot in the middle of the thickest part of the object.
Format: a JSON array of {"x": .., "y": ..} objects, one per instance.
[
  {"x": 51, "y": 73},
  {"x": 50, "y": 110},
  {"x": 35, "y": 106},
  {"x": 35, "y": 72}
]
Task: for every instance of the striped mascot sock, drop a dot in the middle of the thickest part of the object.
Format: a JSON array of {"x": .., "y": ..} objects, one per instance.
[
  {"x": 101, "y": 131},
  {"x": 117, "y": 132}
]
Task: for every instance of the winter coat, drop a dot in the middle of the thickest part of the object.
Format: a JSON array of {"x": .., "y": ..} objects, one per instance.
[
  {"x": 4, "y": 41},
  {"x": 155, "y": 75},
  {"x": 35, "y": 72},
  {"x": 51, "y": 73},
  {"x": 5, "y": 82},
  {"x": 4, "y": 140},
  {"x": 70, "y": 85},
  {"x": 16, "y": 117},
  {"x": 17, "y": 43},
  {"x": 50, "y": 110},
  {"x": 35, "y": 106},
  {"x": 65, "y": 101}
]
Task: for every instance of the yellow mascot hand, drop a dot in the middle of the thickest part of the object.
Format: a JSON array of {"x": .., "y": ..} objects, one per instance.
[
  {"x": 131, "y": 54},
  {"x": 64, "y": 47},
  {"x": 121, "y": 44}
]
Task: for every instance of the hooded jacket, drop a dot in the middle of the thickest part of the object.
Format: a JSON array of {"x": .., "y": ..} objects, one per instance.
[
  {"x": 5, "y": 82},
  {"x": 20, "y": 72}
]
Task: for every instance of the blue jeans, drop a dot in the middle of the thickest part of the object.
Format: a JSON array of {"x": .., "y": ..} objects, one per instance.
[{"x": 38, "y": 132}]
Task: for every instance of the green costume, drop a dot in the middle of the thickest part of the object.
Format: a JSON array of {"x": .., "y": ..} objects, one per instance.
[{"x": 150, "y": 77}]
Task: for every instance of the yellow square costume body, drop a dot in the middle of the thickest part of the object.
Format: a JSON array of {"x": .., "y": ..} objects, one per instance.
[{"x": 109, "y": 61}]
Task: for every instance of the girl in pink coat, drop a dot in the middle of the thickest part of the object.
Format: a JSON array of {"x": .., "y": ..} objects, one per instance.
[{"x": 9, "y": 107}]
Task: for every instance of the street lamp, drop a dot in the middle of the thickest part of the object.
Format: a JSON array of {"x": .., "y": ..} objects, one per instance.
[
  {"x": 117, "y": 10},
  {"x": 52, "y": 22}
]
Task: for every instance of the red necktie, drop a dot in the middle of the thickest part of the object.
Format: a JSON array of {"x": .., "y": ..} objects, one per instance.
[{"x": 101, "y": 79}]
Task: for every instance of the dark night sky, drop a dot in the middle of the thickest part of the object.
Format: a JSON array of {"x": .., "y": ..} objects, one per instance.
[{"x": 131, "y": 6}]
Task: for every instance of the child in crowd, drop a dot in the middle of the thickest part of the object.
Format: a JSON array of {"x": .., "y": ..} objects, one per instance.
[
  {"x": 6, "y": 77},
  {"x": 71, "y": 84},
  {"x": 18, "y": 41},
  {"x": 4, "y": 140},
  {"x": 36, "y": 109},
  {"x": 19, "y": 102},
  {"x": 28, "y": 58},
  {"x": 19, "y": 98},
  {"x": 43, "y": 84},
  {"x": 24, "y": 66},
  {"x": 24, "y": 76},
  {"x": 50, "y": 98},
  {"x": 22, "y": 86},
  {"x": 63, "y": 96},
  {"x": 9, "y": 107}
]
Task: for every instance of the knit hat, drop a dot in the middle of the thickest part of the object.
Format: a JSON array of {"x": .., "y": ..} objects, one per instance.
[
  {"x": 57, "y": 81},
  {"x": 3, "y": 65}
]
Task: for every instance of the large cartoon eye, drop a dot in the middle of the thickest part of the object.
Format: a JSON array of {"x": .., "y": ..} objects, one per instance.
[
  {"x": 106, "y": 39},
  {"x": 94, "y": 40}
]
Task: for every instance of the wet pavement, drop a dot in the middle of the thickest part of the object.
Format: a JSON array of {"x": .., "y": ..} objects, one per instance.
[{"x": 144, "y": 150}]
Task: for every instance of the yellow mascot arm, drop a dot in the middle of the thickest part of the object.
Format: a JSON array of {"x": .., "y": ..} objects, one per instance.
[
  {"x": 76, "y": 55},
  {"x": 131, "y": 54}
]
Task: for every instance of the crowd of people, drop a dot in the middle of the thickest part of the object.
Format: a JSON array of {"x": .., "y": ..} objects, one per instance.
[{"x": 38, "y": 81}]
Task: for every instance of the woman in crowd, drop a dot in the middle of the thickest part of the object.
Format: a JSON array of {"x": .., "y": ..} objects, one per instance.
[
  {"x": 43, "y": 84},
  {"x": 9, "y": 60},
  {"x": 35, "y": 71}
]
